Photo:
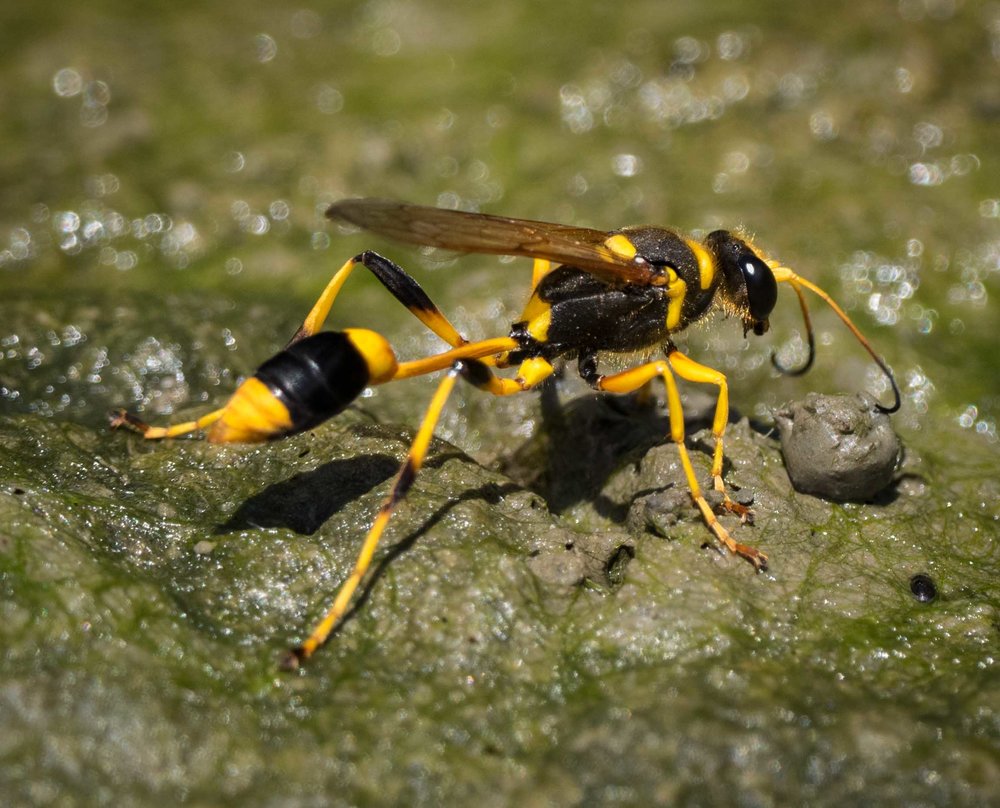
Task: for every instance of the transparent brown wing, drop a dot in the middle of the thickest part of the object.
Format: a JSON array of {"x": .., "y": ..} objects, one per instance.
[{"x": 482, "y": 233}]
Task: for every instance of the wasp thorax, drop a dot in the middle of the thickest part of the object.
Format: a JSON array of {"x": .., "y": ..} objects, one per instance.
[{"x": 748, "y": 288}]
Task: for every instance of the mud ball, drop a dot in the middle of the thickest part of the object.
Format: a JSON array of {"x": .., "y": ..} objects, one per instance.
[{"x": 841, "y": 448}]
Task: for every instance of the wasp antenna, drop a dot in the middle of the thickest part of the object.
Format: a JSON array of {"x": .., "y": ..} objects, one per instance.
[
  {"x": 790, "y": 371},
  {"x": 785, "y": 275}
]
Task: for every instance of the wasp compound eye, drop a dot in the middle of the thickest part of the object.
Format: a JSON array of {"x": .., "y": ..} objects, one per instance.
[{"x": 762, "y": 290}]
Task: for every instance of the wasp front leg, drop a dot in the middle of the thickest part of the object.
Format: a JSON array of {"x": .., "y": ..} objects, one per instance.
[
  {"x": 692, "y": 371},
  {"x": 633, "y": 379}
]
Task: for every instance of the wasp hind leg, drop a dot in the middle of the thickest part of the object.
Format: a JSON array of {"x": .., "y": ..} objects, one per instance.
[
  {"x": 471, "y": 363},
  {"x": 122, "y": 418},
  {"x": 394, "y": 278},
  {"x": 633, "y": 379},
  {"x": 404, "y": 479},
  {"x": 479, "y": 375},
  {"x": 404, "y": 288}
]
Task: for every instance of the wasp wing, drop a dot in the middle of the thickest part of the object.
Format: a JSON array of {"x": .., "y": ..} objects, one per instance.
[{"x": 482, "y": 233}]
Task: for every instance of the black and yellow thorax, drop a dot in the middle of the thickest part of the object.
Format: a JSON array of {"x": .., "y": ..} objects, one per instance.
[{"x": 576, "y": 311}]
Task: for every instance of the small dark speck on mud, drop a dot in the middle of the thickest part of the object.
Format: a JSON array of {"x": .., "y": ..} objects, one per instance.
[{"x": 923, "y": 587}]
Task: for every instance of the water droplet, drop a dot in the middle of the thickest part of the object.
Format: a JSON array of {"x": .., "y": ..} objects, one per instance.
[
  {"x": 626, "y": 165},
  {"x": 265, "y": 48},
  {"x": 67, "y": 83}
]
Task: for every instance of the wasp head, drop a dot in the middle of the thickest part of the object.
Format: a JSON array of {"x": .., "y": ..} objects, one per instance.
[{"x": 747, "y": 287}]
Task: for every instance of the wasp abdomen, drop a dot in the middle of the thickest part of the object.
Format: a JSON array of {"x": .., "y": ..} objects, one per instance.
[
  {"x": 304, "y": 385},
  {"x": 316, "y": 378}
]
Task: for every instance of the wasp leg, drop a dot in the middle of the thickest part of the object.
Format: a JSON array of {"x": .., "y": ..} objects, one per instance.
[
  {"x": 122, "y": 418},
  {"x": 530, "y": 373},
  {"x": 629, "y": 380},
  {"x": 478, "y": 374},
  {"x": 404, "y": 288},
  {"x": 404, "y": 479},
  {"x": 692, "y": 371},
  {"x": 485, "y": 349}
]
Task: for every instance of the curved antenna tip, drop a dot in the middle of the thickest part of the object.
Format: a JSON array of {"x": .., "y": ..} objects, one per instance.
[
  {"x": 898, "y": 402},
  {"x": 788, "y": 370}
]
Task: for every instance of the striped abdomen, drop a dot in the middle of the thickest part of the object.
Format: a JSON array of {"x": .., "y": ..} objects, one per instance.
[{"x": 308, "y": 382}]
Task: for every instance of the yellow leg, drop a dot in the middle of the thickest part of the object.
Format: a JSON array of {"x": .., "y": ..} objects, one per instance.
[
  {"x": 692, "y": 371},
  {"x": 406, "y": 290},
  {"x": 484, "y": 350},
  {"x": 530, "y": 373},
  {"x": 321, "y": 308},
  {"x": 122, "y": 418},
  {"x": 633, "y": 379},
  {"x": 414, "y": 460}
]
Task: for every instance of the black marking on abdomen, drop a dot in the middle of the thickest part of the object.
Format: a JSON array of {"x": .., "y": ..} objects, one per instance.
[{"x": 315, "y": 378}]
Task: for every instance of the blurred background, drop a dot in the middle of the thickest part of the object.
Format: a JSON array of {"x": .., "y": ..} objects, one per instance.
[{"x": 163, "y": 175}]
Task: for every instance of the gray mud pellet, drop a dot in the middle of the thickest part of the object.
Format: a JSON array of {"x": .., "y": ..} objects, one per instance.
[{"x": 841, "y": 448}]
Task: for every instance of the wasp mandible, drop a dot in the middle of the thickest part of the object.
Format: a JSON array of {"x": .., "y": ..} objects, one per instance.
[{"x": 592, "y": 292}]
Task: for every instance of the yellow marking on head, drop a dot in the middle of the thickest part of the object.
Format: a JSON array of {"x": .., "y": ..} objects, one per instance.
[
  {"x": 706, "y": 264},
  {"x": 676, "y": 294},
  {"x": 377, "y": 353},
  {"x": 254, "y": 414},
  {"x": 621, "y": 246}
]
